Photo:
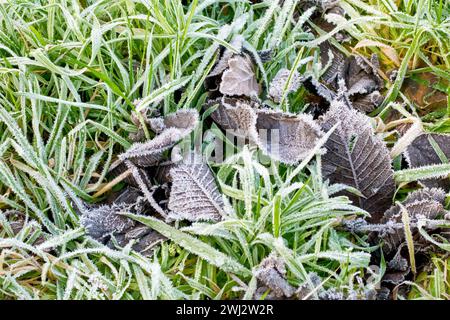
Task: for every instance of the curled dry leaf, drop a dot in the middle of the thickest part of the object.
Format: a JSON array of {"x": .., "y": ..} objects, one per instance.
[
  {"x": 427, "y": 202},
  {"x": 106, "y": 224},
  {"x": 235, "y": 114},
  {"x": 194, "y": 195},
  {"x": 240, "y": 79},
  {"x": 226, "y": 55},
  {"x": 428, "y": 149},
  {"x": 271, "y": 273},
  {"x": 362, "y": 80},
  {"x": 329, "y": 52},
  {"x": 279, "y": 84},
  {"x": 358, "y": 158},
  {"x": 286, "y": 137},
  {"x": 173, "y": 128}
]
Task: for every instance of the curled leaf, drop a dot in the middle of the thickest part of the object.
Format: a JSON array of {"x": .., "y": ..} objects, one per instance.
[
  {"x": 174, "y": 128},
  {"x": 106, "y": 224},
  {"x": 286, "y": 137},
  {"x": 427, "y": 202},
  {"x": 271, "y": 272},
  {"x": 239, "y": 79}
]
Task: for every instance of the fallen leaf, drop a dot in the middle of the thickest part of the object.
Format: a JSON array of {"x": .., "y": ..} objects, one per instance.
[
  {"x": 194, "y": 195},
  {"x": 428, "y": 149},
  {"x": 358, "y": 158},
  {"x": 239, "y": 79}
]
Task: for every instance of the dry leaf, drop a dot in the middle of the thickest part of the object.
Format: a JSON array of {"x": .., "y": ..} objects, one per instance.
[
  {"x": 286, "y": 137},
  {"x": 106, "y": 224},
  {"x": 222, "y": 63},
  {"x": 239, "y": 79},
  {"x": 235, "y": 114},
  {"x": 358, "y": 158},
  {"x": 279, "y": 83},
  {"x": 271, "y": 272},
  {"x": 422, "y": 153},
  {"x": 174, "y": 128},
  {"x": 427, "y": 202},
  {"x": 194, "y": 195},
  {"x": 328, "y": 51}
]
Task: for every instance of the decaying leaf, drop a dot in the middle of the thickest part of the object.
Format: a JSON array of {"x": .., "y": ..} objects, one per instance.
[
  {"x": 358, "y": 158},
  {"x": 271, "y": 272},
  {"x": 428, "y": 149},
  {"x": 427, "y": 202},
  {"x": 329, "y": 52},
  {"x": 174, "y": 128},
  {"x": 227, "y": 54},
  {"x": 103, "y": 221},
  {"x": 361, "y": 78},
  {"x": 194, "y": 195},
  {"x": 235, "y": 114},
  {"x": 286, "y": 137},
  {"x": 239, "y": 79},
  {"x": 279, "y": 84},
  {"x": 106, "y": 224}
]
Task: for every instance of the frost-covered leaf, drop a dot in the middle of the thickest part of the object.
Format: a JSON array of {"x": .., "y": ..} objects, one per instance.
[
  {"x": 361, "y": 79},
  {"x": 107, "y": 224},
  {"x": 104, "y": 220},
  {"x": 271, "y": 272},
  {"x": 358, "y": 158},
  {"x": 235, "y": 114},
  {"x": 428, "y": 149},
  {"x": 427, "y": 203},
  {"x": 176, "y": 127},
  {"x": 239, "y": 79},
  {"x": 194, "y": 195},
  {"x": 286, "y": 137},
  {"x": 279, "y": 84},
  {"x": 222, "y": 63},
  {"x": 333, "y": 59}
]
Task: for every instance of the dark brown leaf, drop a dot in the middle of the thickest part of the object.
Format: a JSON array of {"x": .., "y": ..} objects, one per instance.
[
  {"x": 358, "y": 158},
  {"x": 272, "y": 273},
  {"x": 422, "y": 153}
]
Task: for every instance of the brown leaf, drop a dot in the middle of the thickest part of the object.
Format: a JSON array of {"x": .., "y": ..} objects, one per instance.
[
  {"x": 427, "y": 202},
  {"x": 358, "y": 158},
  {"x": 286, "y": 137},
  {"x": 272, "y": 273},
  {"x": 194, "y": 195},
  {"x": 239, "y": 79},
  {"x": 421, "y": 153},
  {"x": 174, "y": 128}
]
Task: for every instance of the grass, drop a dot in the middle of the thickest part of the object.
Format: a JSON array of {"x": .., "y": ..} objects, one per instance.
[{"x": 70, "y": 72}]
